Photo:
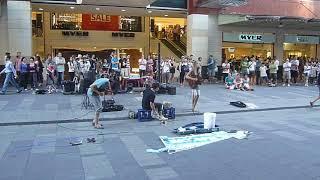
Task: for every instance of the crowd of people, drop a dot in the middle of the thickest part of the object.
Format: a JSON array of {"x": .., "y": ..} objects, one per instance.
[{"x": 251, "y": 71}]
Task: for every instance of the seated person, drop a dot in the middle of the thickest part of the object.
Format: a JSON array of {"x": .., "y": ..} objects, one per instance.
[
  {"x": 96, "y": 90},
  {"x": 246, "y": 83},
  {"x": 229, "y": 82},
  {"x": 238, "y": 82},
  {"x": 149, "y": 95}
]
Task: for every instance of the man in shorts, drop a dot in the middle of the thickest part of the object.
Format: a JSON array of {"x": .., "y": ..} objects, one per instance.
[
  {"x": 96, "y": 90},
  {"x": 286, "y": 72},
  {"x": 318, "y": 98}
]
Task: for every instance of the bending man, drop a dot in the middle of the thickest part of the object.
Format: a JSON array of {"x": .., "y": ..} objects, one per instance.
[{"x": 96, "y": 90}]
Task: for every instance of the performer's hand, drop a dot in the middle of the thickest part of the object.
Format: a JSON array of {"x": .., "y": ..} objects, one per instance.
[{"x": 101, "y": 93}]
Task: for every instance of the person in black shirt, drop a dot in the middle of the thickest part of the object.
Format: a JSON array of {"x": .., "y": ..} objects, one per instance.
[{"x": 149, "y": 95}]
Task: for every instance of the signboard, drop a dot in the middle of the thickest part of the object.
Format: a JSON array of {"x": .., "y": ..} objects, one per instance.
[
  {"x": 248, "y": 37},
  {"x": 100, "y": 18},
  {"x": 120, "y": 34},
  {"x": 301, "y": 39},
  {"x": 100, "y": 22},
  {"x": 75, "y": 33}
]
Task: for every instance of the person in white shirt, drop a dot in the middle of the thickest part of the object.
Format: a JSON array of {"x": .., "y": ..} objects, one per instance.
[
  {"x": 307, "y": 72},
  {"x": 60, "y": 62},
  {"x": 252, "y": 71},
  {"x": 142, "y": 66},
  {"x": 295, "y": 69},
  {"x": 263, "y": 74},
  {"x": 166, "y": 70},
  {"x": 71, "y": 67},
  {"x": 286, "y": 72},
  {"x": 225, "y": 69}
]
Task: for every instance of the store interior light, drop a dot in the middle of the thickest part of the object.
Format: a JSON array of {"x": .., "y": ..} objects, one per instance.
[
  {"x": 40, "y": 9},
  {"x": 97, "y": 9},
  {"x": 71, "y": 7},
  {"x": 166, "y": 15},
  {"x": 123, "y": 10},
  {"x": 149, "y": 11}
]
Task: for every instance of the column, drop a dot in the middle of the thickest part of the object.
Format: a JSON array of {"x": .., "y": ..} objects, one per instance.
[
  {"x": 214, "y": 39},
  {"x": 197, "y": 35},
  {"x": 278, "y": 46},
  {"x": 19, "y": 27},
  {"x": 3, "y": 31},
  {"x": 204, "y": 37}
]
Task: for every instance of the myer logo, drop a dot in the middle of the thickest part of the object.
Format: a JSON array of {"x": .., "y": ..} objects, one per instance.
[
  {"x": 302, "y": 39},
  {"x": 250, "y": 37},
  {"x": 75, "y": 33}
]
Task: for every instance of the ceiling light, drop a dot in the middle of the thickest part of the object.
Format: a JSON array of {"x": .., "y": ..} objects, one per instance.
[
  {"x": 97, "y": 9},
  {"x": 123, "y": 10},
  {"x": 166, "y": 15},
  {"x": 149, "y": 11},
  {"x": 40, "y": 9},
  {"x": 94, "y": 47},
  {"x": 71, "y": 7}
]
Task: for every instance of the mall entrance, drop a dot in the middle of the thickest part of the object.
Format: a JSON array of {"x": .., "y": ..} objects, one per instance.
[{"x": 235, "y": 50}]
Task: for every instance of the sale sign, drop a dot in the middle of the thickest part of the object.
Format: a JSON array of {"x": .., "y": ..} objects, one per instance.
[{"x": 100, "y": 22}]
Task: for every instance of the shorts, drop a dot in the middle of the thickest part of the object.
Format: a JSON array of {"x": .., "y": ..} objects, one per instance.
[
  {"x": 273, "y": 76},
  {"x": 195, "y": 92},
  {"x": 287, "y": 75},
  {"x": 96, "y": 102},
  {"x": 252, "y": 73},
  {"x": 125, "y": 72}
]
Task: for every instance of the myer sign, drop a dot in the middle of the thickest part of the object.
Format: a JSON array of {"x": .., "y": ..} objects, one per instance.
[{"x": 250, "y": 37}]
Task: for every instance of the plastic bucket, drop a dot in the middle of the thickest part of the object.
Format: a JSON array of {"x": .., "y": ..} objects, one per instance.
[{"x": 209, "y": 120}]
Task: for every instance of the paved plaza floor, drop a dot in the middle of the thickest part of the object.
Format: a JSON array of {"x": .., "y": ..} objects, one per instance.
[{"x": 283, "y": 145}]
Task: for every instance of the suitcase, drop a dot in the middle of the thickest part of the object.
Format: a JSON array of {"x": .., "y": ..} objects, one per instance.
[
  {"x": 171, "y": 90},
  {"x": 68, "y": 87}
]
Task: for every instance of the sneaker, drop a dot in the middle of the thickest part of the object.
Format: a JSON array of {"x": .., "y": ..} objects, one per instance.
[
  {"x": 19, "y": 91},
  {"x": 25, "y": 89},
  {"x": 288, "y": 85},
  {"x": 2, "y": 93},
  {"x": 284, "y": 85},
  {"x": 311, "y": 104}
]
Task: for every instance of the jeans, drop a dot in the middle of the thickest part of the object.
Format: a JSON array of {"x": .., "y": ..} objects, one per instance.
[
  {"x": 210, "y": 72},
  {"x": 9, "y": 80},
  {"x": 24, "y": 80},
  {"x": 60, "y": 79},
  {"x": 34, "y": 79}
]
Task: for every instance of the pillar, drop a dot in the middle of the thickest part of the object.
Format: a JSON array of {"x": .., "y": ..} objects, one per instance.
[
  {"x": 278, "y": 46},
  {"x": 3, "y": 31},
  {"x": 19, "y": 27},
  {"x": 204, "y": 37}
]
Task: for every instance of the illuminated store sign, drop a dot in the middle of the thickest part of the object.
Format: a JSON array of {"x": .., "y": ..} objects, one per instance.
[
  {"x": 75, "y": 33},
  {"x": 100, "y": 18},
  {"x": 250, "y": 37}
]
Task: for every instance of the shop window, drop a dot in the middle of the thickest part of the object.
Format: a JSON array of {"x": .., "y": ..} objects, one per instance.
[
  {"x": 66, "y": 21},
  {"x": 37, "y": 24},
  {"x": 130, "y": 23}
]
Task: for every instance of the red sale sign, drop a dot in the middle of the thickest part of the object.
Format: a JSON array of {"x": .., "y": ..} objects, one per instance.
[{"x": 100, "y": 22}]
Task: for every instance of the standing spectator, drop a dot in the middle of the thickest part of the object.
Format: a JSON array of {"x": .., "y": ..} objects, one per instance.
[
  {"x": 172, "y": 69},
  {"x": 183, "y": 69},
  {"x": 295, "y": 69},
  {"x": 51, "y": 65},
  {"x": 258, "y": 65},
  {"x": 115, "y": 63},
  {"x": 252, "y": 71},
  {"x": 313, "y": 73},
  {"x": 24, "y": 70},
  {"x": 286, "y": 72},
  {"x": 33, "y": 67},
  {"x": 193, "y": 78},
  {"x": 244, "y": 66},
  {"x": 71, "y": 67},
  {"x": 306, "y": 73},
  {"x": 149, "y": 66},
  {"x": 211, "y": 66},
  {"x": 17, "y": 63},
  {"x": 11, "y": 74},
  {"x": 225, "y": 69},
  {"x": 142, "y": 66},
  {"x": 263, "y": 74},
  {"x": 165, "y": 71},
  {"x": 60, "y": 62},
  {"x": 39, "y": 70},
  {"x": 273, "y": 72}
]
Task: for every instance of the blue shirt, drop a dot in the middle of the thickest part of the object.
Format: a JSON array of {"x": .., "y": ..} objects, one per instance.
[
  {"x": 115, "y": 62},
  {"x": 23, "y": 68},
  {"x": 101, "y": 83}
]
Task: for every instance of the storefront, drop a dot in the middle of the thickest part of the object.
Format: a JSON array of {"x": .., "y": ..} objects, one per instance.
[
  {"x": 237, "y": 45},
  {"x": 300, "y": 46}
]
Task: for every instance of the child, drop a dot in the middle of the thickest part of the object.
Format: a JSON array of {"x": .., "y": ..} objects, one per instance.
[
  {"x": 229, "y": 82},
  {"x": 263, "y": 74},
  {"x": 246, "y": 83},
  {"x": 238, "y": 82},
  {"x": 306, "y": 72}
]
